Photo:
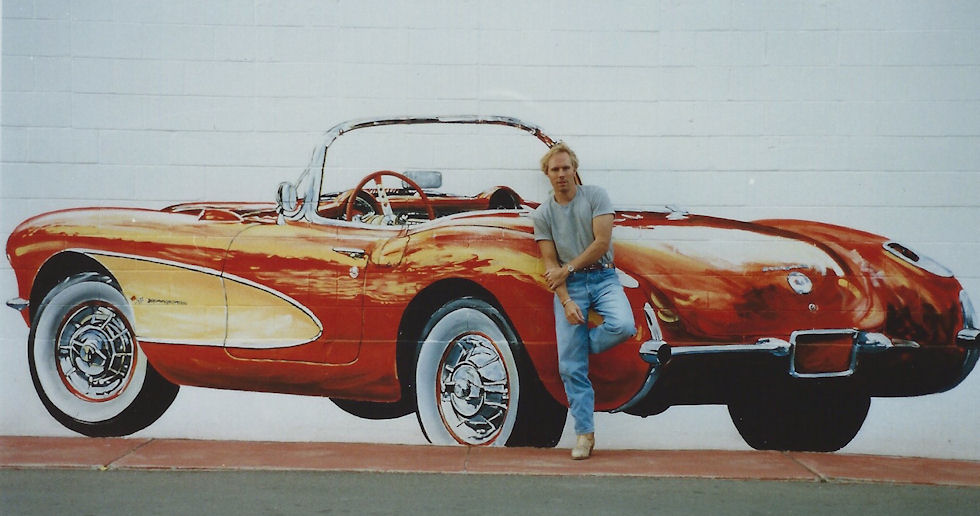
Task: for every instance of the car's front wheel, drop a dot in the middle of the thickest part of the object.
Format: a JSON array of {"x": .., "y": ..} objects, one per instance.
[
  {"x": 475, "y": 387},
  {"x": 810, "y": 416},
  {"x": 86, "y": 363}
]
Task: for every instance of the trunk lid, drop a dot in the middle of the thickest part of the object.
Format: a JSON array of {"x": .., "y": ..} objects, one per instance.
[{"x": 725, "y": 280}]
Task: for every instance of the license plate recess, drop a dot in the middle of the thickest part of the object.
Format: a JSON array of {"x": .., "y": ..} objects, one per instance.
[{"x": 823, "y": 353}]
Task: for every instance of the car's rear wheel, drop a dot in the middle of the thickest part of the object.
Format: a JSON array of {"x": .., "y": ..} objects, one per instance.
[
  {"x": 86, "y": 363},
  {"x": 804, "y": 416},
  {"x": 474, "y": 386}
]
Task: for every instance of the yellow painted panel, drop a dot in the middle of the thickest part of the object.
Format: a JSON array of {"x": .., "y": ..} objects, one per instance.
[
  {"x": 171, "y": 303},
  {"x": 263, "y": 319}
]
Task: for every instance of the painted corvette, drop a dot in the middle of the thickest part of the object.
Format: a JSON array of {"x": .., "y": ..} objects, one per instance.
[{"x": 394, "y": 300}]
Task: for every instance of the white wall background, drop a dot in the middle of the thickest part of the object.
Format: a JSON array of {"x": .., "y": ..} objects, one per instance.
[{"x": 863, "y": 113}]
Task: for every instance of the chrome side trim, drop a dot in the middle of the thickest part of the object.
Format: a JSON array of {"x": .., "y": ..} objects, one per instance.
[{"x": 18, "y": 303}]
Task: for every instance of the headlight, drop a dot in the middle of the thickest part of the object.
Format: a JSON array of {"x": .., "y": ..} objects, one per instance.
[{"x": 920, "y": 261}]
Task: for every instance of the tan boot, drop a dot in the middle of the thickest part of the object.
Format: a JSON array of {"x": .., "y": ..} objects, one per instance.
[{"x": 583, "y": 446}]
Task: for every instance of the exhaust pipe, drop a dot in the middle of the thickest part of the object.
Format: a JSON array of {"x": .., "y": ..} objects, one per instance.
[{"x": 655, "y": 352}]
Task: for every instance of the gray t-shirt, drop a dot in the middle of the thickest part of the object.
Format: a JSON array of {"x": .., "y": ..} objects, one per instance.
[{"x": 570, "y": 226}]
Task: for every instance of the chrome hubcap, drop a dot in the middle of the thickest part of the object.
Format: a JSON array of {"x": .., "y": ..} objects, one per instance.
[
  {"x": 95, "y": 352},
  {"x": 473, "y": 389}
]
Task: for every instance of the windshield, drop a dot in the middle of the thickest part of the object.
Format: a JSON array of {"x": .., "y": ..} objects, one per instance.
[{"x": 470, "y": 157}]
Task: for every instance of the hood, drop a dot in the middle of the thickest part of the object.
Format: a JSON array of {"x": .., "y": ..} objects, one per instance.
[
  {"x": 230, "y": 211},
  {"x": 184, "y": 236},
  {"x": 737, "y": 280}
]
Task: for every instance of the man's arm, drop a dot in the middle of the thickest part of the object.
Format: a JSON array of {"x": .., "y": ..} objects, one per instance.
[
  {"x": 550, "y": 256},
  {"x": 602, "y": 226}
]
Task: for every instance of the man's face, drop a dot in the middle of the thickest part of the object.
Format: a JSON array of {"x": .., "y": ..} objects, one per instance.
[{"x": 561, "y": 173}]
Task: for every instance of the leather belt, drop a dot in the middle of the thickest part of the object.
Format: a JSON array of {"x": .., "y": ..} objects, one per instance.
[{"x": 595, "y": 267}]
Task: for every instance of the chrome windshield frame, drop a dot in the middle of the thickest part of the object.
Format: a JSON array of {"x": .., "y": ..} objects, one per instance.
[{"x": 317, "y": 166}]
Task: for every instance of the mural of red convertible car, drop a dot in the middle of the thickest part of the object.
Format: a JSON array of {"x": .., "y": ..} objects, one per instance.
[{"x": 398, "y": 299}]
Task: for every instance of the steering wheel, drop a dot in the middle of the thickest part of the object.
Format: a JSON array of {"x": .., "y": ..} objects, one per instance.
[{"x": 383, "y": 196}]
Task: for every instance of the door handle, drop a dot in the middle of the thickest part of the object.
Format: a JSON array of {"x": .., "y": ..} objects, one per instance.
[{"x": 353, "y": 252}]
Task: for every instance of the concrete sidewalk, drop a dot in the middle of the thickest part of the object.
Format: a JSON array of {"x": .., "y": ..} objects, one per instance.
[{"x": 179, "y": 454}]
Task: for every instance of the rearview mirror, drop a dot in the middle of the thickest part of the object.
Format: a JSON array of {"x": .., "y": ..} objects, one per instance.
[{"x": 427, "y": 179}]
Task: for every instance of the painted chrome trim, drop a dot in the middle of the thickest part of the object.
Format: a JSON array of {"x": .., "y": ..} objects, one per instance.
[
  {"x": 352, "y": 252},
  {"x": 19, "y": 304},
  {"x": 969, "y": 314},
  {"x": 799, "y": 282},
  {"x": 344, "y": 127},
  {"x": 626, "y": 280},
  {"x": 902, "y": 343},
  {"x": 921, "y": 261},
  {"x": 860, "y": 342},
  {"x": 873, "y": 341},
  {"x": 652, "y": 378},
  {"x": 837, "y": 374},
  {"x": 219, "y": 274},
  {"x": 317, "y": 165},
  {"x": 863, "y": 342},
  {"x": 775, "y": 347},
  {"x": 677, "y": 213},
  {"x": 968, "y": 338},
  {"x": 656, "y": 335},
  {"x": 656, "y": 352}
]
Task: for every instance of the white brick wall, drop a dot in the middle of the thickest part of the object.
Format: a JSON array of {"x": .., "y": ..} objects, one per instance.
[{"x": 864, "y": 113}]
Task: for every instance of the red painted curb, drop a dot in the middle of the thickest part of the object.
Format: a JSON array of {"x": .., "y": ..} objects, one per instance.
[{"x": 180, "y": 454}]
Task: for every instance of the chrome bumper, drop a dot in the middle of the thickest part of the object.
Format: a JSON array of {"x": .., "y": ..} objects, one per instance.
[
  {"x": 657, "y": 352},
  {"x": 968, "y": 338},
  {"x": 862, "y": 342},
  {"x": 18, "y": 303}
]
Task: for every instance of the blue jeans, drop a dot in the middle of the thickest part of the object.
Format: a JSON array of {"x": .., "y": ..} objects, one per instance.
[{"x": 600, "y": 291}]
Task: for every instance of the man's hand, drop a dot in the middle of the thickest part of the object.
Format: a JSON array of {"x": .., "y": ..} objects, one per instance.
[
  {"x": 573, "y": 313},
  {"x": 555, "y": 277}
]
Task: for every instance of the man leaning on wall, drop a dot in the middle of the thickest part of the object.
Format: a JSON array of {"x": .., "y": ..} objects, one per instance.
[{"x": 573, "y": 228}]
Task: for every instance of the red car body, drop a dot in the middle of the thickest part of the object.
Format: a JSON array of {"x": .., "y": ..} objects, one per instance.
[{"x": 391, "y": 301}]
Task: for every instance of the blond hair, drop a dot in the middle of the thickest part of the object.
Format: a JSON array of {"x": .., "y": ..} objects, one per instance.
[{"x": 559, "y": 147}]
